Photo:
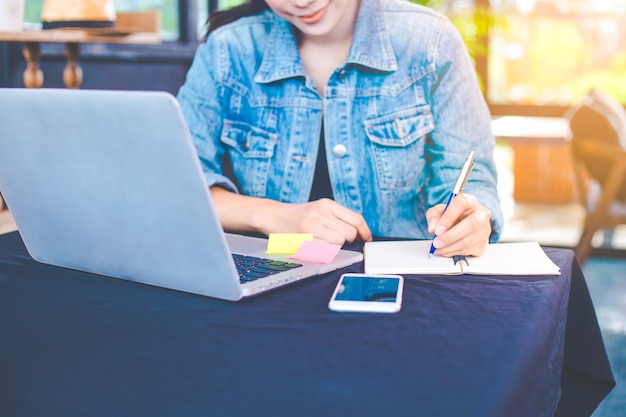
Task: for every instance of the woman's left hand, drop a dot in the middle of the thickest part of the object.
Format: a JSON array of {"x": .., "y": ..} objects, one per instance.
[{"x": 461, "y": 229}]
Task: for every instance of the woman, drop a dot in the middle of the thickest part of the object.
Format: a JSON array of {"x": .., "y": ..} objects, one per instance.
[{"x": 373, "y": 102}]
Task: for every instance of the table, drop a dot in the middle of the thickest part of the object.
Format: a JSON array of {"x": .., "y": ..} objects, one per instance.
[
  {"x": 543, "y": 168},
  {"x": 77, "y": 344},
  {"x": 132, "y": 28}
]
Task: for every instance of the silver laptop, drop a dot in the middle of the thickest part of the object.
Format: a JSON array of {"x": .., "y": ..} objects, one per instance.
[{"x": 109, "y": 182}]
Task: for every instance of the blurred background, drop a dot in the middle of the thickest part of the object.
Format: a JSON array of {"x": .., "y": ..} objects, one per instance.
[
  {"x": 533, "y": 56},
  {"x": 535, "y": 59}
]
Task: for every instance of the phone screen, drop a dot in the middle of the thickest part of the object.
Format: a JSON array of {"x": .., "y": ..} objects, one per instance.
[{"x": 364, "y": 288}]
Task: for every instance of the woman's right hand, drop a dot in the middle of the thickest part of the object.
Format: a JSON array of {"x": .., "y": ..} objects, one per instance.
[{"x": 327, "y": 220}]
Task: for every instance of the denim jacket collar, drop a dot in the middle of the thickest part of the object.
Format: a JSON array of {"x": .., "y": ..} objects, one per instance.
[
  {"x": 281, "y": 58},
  {"x": 371, "y": 46}
]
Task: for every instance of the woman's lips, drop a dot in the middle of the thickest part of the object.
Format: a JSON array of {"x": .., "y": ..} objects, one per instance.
[{"x": 314, "y": 17}]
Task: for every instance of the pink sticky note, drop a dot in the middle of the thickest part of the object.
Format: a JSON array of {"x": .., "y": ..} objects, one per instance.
[{"x": 319, "y": 252}]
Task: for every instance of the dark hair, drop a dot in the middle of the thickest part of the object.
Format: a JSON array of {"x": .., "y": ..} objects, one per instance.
[{"x": 222, "y": 17}]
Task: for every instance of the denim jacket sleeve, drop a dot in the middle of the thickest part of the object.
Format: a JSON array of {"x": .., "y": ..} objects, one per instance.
[
  {"x": 461, "y": 118},
  {"x": 204, "y": 114}
]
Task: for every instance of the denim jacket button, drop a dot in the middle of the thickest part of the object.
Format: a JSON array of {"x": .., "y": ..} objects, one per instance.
[
  {"x": 340, "y": 150},
  {"x": 342, "y": 73}
]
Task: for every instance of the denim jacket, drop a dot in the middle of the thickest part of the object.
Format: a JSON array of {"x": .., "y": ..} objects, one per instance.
[{"x": 400, "y": 116}]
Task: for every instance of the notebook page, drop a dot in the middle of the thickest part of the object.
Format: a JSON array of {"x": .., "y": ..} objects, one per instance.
[
  {"x": 405, "y": 257},
  {"x": 517, "y": 258}
]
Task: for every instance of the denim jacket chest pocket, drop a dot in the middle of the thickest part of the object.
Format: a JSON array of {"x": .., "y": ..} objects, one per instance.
[
  {"x": 397, "y": 143},
  {"x": 251, "y": 150}
]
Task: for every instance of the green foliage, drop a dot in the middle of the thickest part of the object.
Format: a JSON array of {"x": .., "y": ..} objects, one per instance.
[
  {"x": 433, "y": 4},
  {"x": 229, "y": 4},
  {"x": 472, "y": 23},
  {"x": 32, "y": 11}
]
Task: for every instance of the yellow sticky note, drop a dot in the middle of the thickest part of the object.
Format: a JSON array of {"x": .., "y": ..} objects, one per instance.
[{"x": 286, "y": 243}]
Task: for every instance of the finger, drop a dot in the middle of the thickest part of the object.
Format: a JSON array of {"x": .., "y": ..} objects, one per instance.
[
  {"x": 463, "y": 247},
  {"x": 334, "y": 223},
  {"x": 329, "y": 235},
  {"x": 470, "y": 236},
  {"x": 454, "y": 248},
  {"x": 352, "y": 229},
  {"x": 338, "y": 232},
  {"x": 433, "y": 215},
  {"x": 448, "y": 245},
  {"x": 356, "y": 222},
  {"x": 455, "y": 211}
]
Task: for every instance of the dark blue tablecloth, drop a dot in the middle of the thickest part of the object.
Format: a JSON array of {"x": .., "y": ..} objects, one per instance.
[{"x": 77, "y": 344}]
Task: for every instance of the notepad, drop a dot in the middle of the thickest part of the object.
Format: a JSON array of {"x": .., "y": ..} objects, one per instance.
[
  {"x": 411, "y": 257},
  {"x": 319, "y": 252}
]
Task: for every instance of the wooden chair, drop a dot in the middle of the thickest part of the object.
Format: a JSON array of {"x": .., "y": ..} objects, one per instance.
[
  {"x": 599, "y": 157},
  {"x": 603, "y": 210}
]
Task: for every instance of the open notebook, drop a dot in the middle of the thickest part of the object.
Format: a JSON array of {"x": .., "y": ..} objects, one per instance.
[{"x": 411, "y": 257}]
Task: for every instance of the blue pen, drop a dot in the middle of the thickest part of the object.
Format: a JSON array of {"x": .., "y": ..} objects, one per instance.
[{"x": 458, "y": 187}]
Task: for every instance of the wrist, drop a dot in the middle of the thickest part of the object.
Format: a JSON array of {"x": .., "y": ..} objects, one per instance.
[{"x": 261, "y": 215}]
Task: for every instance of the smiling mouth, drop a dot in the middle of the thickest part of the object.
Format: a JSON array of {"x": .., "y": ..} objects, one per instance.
[{"x": 314, "y": 17}]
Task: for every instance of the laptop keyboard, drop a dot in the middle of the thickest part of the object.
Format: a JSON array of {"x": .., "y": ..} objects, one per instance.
[{"x": 251, "y": 267}]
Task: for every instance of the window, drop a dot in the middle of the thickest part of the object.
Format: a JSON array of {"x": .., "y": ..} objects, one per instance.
[
  {"x": 169, "y": 14},
  {"x": 169, "y": 9},
  {"x": 528, "y": 53},
  {"x": 551, "y": 52},
  {"x": 227, "y": 4},
  {"x": 542, "y": 55}
]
